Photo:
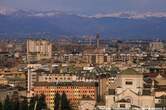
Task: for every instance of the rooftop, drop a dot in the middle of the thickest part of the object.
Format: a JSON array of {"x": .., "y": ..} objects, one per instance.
[{"x": 129, "y": 71}]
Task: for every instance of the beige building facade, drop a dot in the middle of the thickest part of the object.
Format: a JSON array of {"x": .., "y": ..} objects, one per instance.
[
  {"x": 38, "y": 50},
  {"x": 128, "y": 93}
]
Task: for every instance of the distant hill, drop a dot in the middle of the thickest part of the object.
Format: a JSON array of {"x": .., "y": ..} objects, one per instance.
[{"x": 58, "y": 23}]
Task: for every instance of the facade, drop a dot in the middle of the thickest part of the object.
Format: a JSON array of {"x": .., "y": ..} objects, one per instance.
[
  {"x": 121, "y": 57},
  {"x": 12, "y": 73},
  {"x": 38, "y": 50},
  {"x": 8, "y": 90},
  {"x": 7, "y": 60},
  {"x": 3, "y": 81},
  {"x": 87, "y": 104},
  {"x": 75, "y": 91},
  {"x": 160, "y": 91},
  {"x": 57, "y": 78},
  {"x": 160, "y": 98},
  {"x": 129, "y": 92},
  {"x": 96, "y": 56},
  {"x": 156, "y": 46}
]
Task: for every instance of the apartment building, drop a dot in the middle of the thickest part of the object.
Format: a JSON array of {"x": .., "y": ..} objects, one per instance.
[
  {"x": 38, "y": 50},
  {"x": 75, "y": 91}
]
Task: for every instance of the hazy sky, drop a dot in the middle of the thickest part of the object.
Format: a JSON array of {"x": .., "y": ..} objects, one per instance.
[{"x": 88, "y": 6}]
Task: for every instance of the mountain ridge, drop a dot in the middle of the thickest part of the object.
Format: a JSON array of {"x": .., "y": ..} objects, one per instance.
[
  {"x": 58, "y": 23},
  {"x": 131, "y": 15}
]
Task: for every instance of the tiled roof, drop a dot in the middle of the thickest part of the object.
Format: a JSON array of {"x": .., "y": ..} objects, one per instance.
[{"x": 129, "y": 71}]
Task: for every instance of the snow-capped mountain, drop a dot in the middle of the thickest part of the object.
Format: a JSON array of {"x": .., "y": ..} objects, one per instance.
[
  {"x": 18, "y": 12},
  {"x": 37, "y": 13},
  {"x": 121, "y": 24},
  {"x": 6, "y": 10},
  {"x": 129, "y": 15}
]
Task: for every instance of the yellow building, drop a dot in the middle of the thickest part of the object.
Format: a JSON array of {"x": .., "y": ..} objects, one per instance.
[{"x": 75, "y": 91}]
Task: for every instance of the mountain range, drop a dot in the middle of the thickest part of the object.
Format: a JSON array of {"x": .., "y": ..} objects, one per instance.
[{"x": 125, "y": 25}]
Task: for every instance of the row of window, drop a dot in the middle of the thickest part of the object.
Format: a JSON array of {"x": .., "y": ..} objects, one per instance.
[
  {"x": 74, "y": 98},
  {"x": 69, "y": 92},
  {"x": 49, "y": 78}
]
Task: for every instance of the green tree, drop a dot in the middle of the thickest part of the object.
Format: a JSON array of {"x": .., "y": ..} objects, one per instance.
[
  {"x": 15, "y": 101},
  {"x": 1, "y": 106},
  {"x": 57, "y": 99},
  {"x": 65, "y": 105},
  {"x": 24, "y": 104},
  {"x": 7, "y": 103},
  {"x": 41, "y": 103},
  {"x": 33, "y": 101}
]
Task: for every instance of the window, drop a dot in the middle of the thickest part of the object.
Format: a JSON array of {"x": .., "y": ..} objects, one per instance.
[
  {"x": 122, "y": 106},
  {"x": 129, "y": 82},
  {"x": 93, "y": 59},
  {"x": 105, "y": 58}
]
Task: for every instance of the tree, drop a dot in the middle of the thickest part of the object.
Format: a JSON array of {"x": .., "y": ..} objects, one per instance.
[
  {"x": 64, "y": 102},
  {"x": 41, "y": 103},
  {"x": 33, "y": 101},
  {"x": 24, "y": 104},
  {"x": 1, "y": 106},
  {"x": 7, "y": 103},
  {"x": 15, "y": 101},
  {"x": 57, "y": 99}
]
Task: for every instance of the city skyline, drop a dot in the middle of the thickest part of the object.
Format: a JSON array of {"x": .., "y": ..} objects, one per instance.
[{"x": 82, "y": 54}]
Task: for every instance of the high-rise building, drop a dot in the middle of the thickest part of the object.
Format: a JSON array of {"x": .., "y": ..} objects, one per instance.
[
  {"x": 156, "y": 46},
  {"x": 38, "y": 50}
]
